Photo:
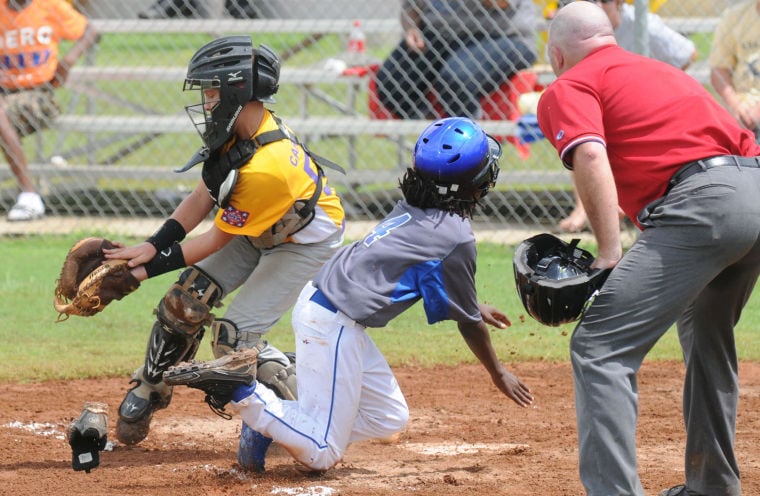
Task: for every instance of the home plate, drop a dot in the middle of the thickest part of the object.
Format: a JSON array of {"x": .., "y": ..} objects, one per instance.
[{"x": 463, "y": 448}]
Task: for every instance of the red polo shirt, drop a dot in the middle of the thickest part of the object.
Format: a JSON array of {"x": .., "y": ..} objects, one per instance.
[{"x": 652, "y": 118}]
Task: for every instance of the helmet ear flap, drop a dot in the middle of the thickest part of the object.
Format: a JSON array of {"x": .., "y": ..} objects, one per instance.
[{"x": 266, "y": 73}]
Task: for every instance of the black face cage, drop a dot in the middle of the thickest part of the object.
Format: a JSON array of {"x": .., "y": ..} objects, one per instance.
[
  {"x": 200, "y": 117},
  {"x": 215, "y": 124}
]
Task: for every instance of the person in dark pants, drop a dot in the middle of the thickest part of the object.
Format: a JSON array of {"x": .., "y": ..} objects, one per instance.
[
  {"x": 462, "y": 50},
  {"x": 644, "y": 135}
]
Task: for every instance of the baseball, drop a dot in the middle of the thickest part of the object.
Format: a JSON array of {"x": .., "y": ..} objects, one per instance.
[{"x": 58, "y": 161}]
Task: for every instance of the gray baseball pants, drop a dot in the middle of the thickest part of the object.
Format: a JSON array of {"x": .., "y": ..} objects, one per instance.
[
  {"x": 269, "y": 282},
  {"x": 695, "y": 264}
]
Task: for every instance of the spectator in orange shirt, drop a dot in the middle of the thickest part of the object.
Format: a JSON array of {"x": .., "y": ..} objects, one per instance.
[{"x": 30, "y": 69}]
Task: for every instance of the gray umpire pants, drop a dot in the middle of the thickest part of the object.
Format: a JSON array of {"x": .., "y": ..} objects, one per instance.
[
  {"x": 269, "y": 282},
  {"x": 695, "y": 264}
]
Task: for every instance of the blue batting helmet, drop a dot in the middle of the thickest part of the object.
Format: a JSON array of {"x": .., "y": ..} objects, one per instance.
[{"x": 459, "y": 156}]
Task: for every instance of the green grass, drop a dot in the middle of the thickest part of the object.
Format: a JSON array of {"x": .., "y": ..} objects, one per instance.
[{"x": 35, "y": 348}]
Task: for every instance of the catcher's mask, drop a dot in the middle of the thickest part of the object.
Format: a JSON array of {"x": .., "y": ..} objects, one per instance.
[
  {"x": 460, "y": 157},
  {"x": 240, "y": 73},
  {"x": 554, "y": 279}
]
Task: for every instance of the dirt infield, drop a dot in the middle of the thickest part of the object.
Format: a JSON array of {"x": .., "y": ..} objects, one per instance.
[{"x": 462, "y": 439}]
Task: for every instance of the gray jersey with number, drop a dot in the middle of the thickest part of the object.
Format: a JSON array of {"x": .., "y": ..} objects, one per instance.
[{"x": 412, "y": 254}]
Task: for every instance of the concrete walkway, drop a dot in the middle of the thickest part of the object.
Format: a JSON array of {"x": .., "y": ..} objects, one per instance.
[{"x": 117, "y": 227}]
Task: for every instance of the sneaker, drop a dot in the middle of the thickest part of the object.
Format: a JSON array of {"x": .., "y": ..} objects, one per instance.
[
  {"x": 679, "y": 490},
  {"x": 217, "y": 378},
  {"x": 136, "y": 411},
  {"x": 28, "y": 206},
  {"x": 88, "y": 435},
  {"x": 252, "y": 450}
]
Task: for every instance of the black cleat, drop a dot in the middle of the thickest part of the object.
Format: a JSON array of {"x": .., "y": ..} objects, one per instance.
[{"x": 217, "y": 378}]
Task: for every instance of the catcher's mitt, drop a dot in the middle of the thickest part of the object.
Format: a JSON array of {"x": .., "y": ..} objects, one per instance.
[{"x": 88, "y": 282}]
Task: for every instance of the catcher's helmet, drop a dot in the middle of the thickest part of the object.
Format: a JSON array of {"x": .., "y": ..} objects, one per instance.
[
  {"x": 554, "y": 279},
  {"x": 241, "y": 74},
  {"x": 459, "y": 156}
]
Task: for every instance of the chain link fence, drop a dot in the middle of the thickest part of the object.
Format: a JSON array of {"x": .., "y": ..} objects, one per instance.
[{"x": 123, "y": 128}]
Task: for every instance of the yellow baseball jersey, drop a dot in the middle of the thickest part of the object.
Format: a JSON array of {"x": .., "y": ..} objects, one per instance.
[
  {"x": 277, "y": 176},
  {"x": 736, "y": 46}
]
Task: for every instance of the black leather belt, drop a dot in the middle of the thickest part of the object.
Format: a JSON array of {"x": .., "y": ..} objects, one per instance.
[
  {"x": 320, "y": 299},
  {"x": 692, "y": 168}
]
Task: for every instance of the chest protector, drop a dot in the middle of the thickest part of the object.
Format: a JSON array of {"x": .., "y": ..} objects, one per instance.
[{"x": 220, "y": 173}]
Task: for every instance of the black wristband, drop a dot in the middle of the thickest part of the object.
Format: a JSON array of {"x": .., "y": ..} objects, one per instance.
[
  {"x": 166, "y": 260},
  {"x": 167, "y": 234}
]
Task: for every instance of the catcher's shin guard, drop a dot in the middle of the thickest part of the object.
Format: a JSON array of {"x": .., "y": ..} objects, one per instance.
[
  {"x": 138, "y": 406},
  {"x": 174, "y": 338},
  {"x": 278, "y": 377}
]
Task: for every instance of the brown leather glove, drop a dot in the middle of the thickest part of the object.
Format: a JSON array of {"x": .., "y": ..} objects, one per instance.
[{"x": 88, "y": 282}]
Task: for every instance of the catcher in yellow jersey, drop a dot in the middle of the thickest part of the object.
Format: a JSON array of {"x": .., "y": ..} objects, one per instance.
[{"x": 278, "y": 222}]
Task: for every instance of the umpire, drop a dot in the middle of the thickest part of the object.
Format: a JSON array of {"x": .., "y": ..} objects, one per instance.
[{"x": 646, "y": 136}]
